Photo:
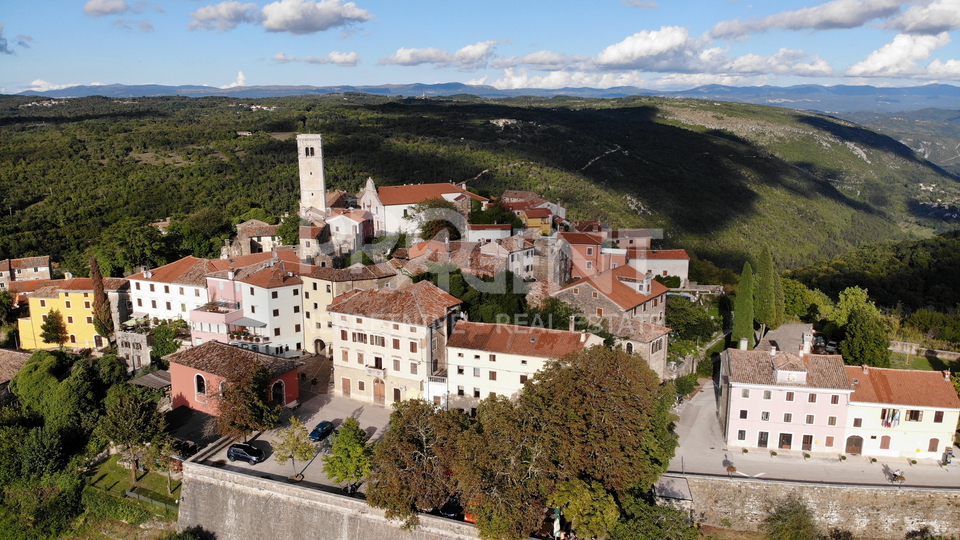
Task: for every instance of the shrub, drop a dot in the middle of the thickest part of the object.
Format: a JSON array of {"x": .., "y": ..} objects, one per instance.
[
  {"x": 790, "y": 519},
  {"x": 686, "y": 384},
  {"x": 106, "y": 506}
]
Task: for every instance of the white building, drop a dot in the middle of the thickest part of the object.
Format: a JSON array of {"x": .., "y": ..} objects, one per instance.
[
  {"x": 313, "y": 187},
  {"x": 392, "y": 206},
  {"x": 517, "y": 251},
  {"x": 487, "y": 359},
  {"x": 389, "y": 345},
  {"x": 661, "y": 262}
]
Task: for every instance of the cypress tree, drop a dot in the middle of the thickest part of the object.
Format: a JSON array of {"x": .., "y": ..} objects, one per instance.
[
  {"x": 765, "y": 310},
  {"x": 102, "y": 317},
  {"x": 743, "y": 308},
  {"x": 780, "y": 303}
]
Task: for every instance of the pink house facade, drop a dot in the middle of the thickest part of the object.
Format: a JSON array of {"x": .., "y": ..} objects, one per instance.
[
  {"x": 772, "y": 400},
  {"x": 199, "y": 375}
]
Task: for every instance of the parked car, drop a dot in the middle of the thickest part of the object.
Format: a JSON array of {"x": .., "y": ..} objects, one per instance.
[
  {"x": 322, "y": 431},
  {"x": 245, "y": 452}
]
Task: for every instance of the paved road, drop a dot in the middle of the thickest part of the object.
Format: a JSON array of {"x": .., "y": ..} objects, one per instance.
[{"x": 702, "y": 450}]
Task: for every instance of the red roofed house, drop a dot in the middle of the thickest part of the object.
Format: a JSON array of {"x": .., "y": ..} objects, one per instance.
[
  {"x": 349, "y": 229},
  {"x": 487, "y": 359},
  {"x": 662, "y": 262},
  {"x": 198, "y": 375},
  {"x": 650, "y": 341},
  {"x": 391, "y": 206},
  {"x": 26, "y": 269},
  {"x": 588, "y": 255},
  {"x": 901, "y": 413},
  {"x": 620, "y": 292},
  {"x": 389, "y": 345}
]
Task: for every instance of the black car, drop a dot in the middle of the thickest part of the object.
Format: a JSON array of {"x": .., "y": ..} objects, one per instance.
[
  {"x": 245, "y": 452},
  {"x": 322, "y": 430}
]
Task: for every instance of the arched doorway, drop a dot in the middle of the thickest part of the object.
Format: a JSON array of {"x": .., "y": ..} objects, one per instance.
[
  {"x": 277, "y": 393},
  {"x": 379, "y": 392},
  {"x": 854, "y": 445},
  {"x": 319, "y": 347}
]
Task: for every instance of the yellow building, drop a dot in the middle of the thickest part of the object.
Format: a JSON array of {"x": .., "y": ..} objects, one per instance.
[
  {"x": 537, "y": 219},
  {"x": 73, "y": 298}
]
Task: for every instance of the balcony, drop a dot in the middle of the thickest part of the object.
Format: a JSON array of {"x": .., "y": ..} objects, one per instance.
[
  {"x": 436, "y": 379},
  {"x": 217, "y": 312},
  {"x": 376, "y": 372}
]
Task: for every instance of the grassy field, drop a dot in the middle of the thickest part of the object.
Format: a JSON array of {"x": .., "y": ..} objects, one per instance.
[
  {"x": 115, "y": 479},
  {"x": 911, "y": 361}
]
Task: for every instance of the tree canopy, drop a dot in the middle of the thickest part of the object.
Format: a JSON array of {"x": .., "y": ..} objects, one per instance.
[
  {"x": 54, "y": 329},
  {"x": 244, "y": 407},
  {"x": 743, "y": 313},
  {"x": 351, "y": 458}
]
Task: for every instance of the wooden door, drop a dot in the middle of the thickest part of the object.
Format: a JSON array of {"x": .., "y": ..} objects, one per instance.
[
  {"x": 854, "y": 445},
  {"x": 762, "y": 439},
  {"x": 786, "y": 440},
  {"x": 807, "y": 443},
  {"x": 396, "y": 395},
  {"x": 379, "y": 393},
  {"x": 346, "y": 387}
]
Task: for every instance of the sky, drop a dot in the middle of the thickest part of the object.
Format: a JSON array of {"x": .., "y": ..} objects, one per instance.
[{"x": 653, "y": 44}]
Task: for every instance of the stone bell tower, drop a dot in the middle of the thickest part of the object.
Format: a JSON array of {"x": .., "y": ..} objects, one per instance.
[{"x": 313, "y": 188}]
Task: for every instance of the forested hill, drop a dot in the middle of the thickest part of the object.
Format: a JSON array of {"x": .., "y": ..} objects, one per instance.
[{"x": 721, "y": 178}]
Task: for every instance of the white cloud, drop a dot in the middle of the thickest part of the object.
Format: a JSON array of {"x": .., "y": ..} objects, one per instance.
[
  {"x": 282, "y": 58},
  {"x": 468, "y": 58},
  {"x": 669, "y": 49},
  {"x": 936, "y": 17},
  {"x": 642, "y": 4},
  {"x": 335, "y": 57},
  {"x": 99, "y": 8},
  {"x": 545, "y": 60},
  {"x": 40, "y": 85},
  {"x": 126, "y": 24},
  {"x": 22, "y": 40},
  {"x": 899, "y": 57},
  {"x": 784, "y": 62},
  {"x": 944, "y": 70},
  {"x": 344, "y": 59},
  {"x": 241, "y": 81},
  {"x": 307, "y": 16},
  {"x": 831, "y": 15},
  {"x": 224, "y": 16}
]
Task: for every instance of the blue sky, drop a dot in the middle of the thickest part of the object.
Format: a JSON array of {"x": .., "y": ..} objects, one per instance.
[{"x": 656, "y": 44}]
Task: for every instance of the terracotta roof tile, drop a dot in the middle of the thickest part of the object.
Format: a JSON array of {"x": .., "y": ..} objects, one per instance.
[
  {"x": 412, "y": 194},
  {"x": 519, "y": 340},
  {"x": 581, "y": 238},
  {"x": 489, "y": 227},
  {"x": 617, "y": 284},
  {"x": 517, "y": 195},
  {"x": 673, "y": 254},
  {"x": 28, "y": 262},
  {"x": 281, "y": 274},
  {"x": 636, "y": 329},
  {"x": 903, "y": 387},
  {"x": 194, "y": 271},
  {"x": 421, "y": 304},
  {"x": 538, "y": 212},
  {"x": 357, "y": 272},
  {"x": 760, "y": 367},
  {"x": 10, "y": 363},
  {"x": 224, "y": 360}
]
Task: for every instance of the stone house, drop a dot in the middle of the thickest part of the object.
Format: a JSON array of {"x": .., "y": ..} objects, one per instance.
[
  {"x": 650, "y": 341},
  {"x": 199, "y": 375},
  {"x": 390, "y": 344},
  {"x": 26, "y": 269},
  {"x": 620, "y": 292}
]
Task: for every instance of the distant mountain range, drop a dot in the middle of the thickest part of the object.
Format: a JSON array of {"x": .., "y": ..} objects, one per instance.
[{"x": 831, "y": 99}]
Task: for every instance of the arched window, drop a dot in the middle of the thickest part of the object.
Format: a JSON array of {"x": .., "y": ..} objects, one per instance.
[
  {"x": 278, "y": 394},
  {"x": 630, "y": 347},
  {"x": 73, "y": 338},
  {"x": 201, "y": 385}
]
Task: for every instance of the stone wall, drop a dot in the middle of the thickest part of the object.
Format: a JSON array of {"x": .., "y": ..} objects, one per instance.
[
  {"x": 916, "y": 350},
  {"x": 871, "y": 511},
  {"x": 243, "y": 507}
]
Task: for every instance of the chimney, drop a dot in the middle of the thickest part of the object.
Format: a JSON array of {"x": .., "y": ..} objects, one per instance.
[
  {"x": 802, "y": 351},
  {"x": 583, "y": 336},
  {"x": 865, "y": 369},
  {"x": 573, "y": 324},
  {"x": 276, "y": 255},
  {"x": 648, "y": 282},
  {"x": 743, "y": 343},
  {"x": 773, "y": 350},
  {"x": 148, "y": 274},
  {"x": 946, "y": 374},
  {"x": 231, "y": 275},
  {"x": 68, "y": 275}
]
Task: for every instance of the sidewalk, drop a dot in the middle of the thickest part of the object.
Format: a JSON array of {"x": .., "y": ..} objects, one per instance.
[{"x": 703, "y": 451}]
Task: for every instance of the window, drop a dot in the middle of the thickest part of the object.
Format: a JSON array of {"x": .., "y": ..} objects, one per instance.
[
  {"x": 379, "y": 341},
  {"x": 276, "y": 331},
  {"x": 834, "y": 399},
  {"x": 296, "y": 309},
  {"x": 181, "y": 291},
  {"x": 251, "y": 291},
  {"x": 596, "y": 294},
  {"x": 139, "y": 302},
  {"x": 742, "y": 435},
  {"x": 787, "y": 418},
  {"x": 765, "y": 416},
  {"x": 276, "y": 313},
  {"x": 459, "y": 390},
  {"x": 745, "y": 393},
  {"x": 831, "y": 420},
  {"x": 576, "y": 290},
  {"x": 253, "y": 309},
  {"x": 360, "y": 386},
  {"x": 43, "y": 303},
  {"x": 767, "y": 394},
  {"x": 493, "y": 375},
  {"x": 493, "y": 358},
  {"x": 346, "y": 356},
  {"x": 86, "y": 305},
  {"x": 89, "y": 320},
  {"x": 396, "y": 364},
  {"x": 201, "y": 385},
  {"x": 328, "y": 287},
  {"x": 69, "y": 319},
  {"x": 196, "y": 292},
  {"x": 812, "y": 398},
  {"x": 934, "y": 445},
  {"x": 829, "y": 442},
  {"x": 589, "y": 265},
  {"x": 599, "y": 312},
  {"x": 296, "y": 292},
  {"x": 413, "y": 346},
  {"x": 413, "y": 368},
  {"x": 523, "y": 379},
  {"x": 858, "y": 422},
  {"x": 153, "y": 304},
  {"x": 809, "y": 420},
  {"x": 296, "y": 328},
  {"x": 67, "y": 304},
  {"x": 359, "y": 357},
  {"x": 476, "y": 392},
  {"x": 789, "y": 396},
  {"x": 589, "y": 251},
  {"x": 396, "y": 344},
  {"x": 743, "y": 414},
  {"x": 476, "y": 372},
  {"x": 914, "y": 416},
  {"x": 274, "y": 294},
  {"x": 885, "y": 442},
  {"x": 166, "y": 289},
  {"x": 137, "y": 285},
  {"x": 168, "y": 306},
  {"x": 343, "y": 335},
  {"x": 151, "y": 287},
  {"x": 938, "y": 417},
  {"x": 459, "y": 370}
]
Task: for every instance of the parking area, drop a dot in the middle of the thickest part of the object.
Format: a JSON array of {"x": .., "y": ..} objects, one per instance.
[{"x": 372, "y": 418}]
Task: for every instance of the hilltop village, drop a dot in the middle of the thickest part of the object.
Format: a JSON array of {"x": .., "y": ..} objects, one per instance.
[{"x": 368, "y": 310}]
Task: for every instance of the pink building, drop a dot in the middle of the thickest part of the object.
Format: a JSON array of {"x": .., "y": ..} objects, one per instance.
[
  {"x": 777, "y": 400},
  {"x": 198, "y": 375},
  {"x": 588, "y": 255}
]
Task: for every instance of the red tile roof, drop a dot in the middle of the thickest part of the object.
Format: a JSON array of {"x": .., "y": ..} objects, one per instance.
[
  {"x": 636, "y": 329},
  {"x": 618, "y": 285},
  {"x": 759, "y": 367},
  {"x": 191, "y": 270},
  {"x": 356, "y": 272},
  {"x": 412, "y": 194},
  {"x": 28, "y": 262},
  {"x": 589, "y": 225},
  {"x": 489, "y": 227},
  {"x": 281, "y": 274},
  {"x": 581, "y": 238},
  {"x": 538, "y": 212},
  {"x": 908, "y": 387},
  {"x": 225, "y": 360},
  {"x": 519, "y": 340},
  {"x": 50, "y": 288},
  {"x": 421, "y": 304},
  {"x": 671, "y": 254},
  {"x": 10, "y": 363}
]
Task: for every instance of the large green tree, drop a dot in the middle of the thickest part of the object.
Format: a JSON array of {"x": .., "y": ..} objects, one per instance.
[
  {"x": 244, "y": 407},
  {"x": 591, "y": 510},
  {"x": 413, "y": 462},
  {"x": 131, "y": 422},
  {"x": 102, "y": 316},
  {"x": 54, "y": 329},
  {"x": 743, "y": 308},
  {"x": 764, "y": 298},
  {"x": 351, "y": 458},
  {"x": 791, "y": 519},
  {"x": 867, "y": 339},
  {"x": 293, "y": 443},
  {"x": 289, "y": 230},
  {"x": 689, "y": 320}
]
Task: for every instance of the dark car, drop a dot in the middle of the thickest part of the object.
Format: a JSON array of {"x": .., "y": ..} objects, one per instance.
[
  {"x": 245, "y": 452},
  {"x": 321, "y": 432}
]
